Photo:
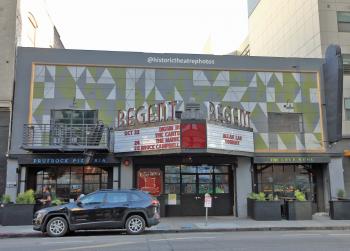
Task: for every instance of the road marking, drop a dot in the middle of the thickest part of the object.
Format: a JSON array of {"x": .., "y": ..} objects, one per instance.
[
  {"x": 134, "y": 242},
  {"x": 64, "y": 242},
  {"x": 296, "y": 235},
  {"x": 97, "y": 246},
  {"x": 339, "y": 234},
  {"x": 184, "y": 238}
]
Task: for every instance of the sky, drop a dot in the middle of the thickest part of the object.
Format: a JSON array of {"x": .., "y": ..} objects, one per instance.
[{"x": 163, "y": 26}]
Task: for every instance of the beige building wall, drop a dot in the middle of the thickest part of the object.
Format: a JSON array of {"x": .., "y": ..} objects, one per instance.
[
  {"x": 22, "y": 23},
  {"x": 329, "y": 25},
  {"x": 285, "y": 28},
  {"x": 7, "y": 51},
  {"x": 36, "y": 26},
  {"x": 296, "y": 28}
]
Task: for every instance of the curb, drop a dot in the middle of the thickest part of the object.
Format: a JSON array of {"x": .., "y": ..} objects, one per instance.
[
  {"x": 19, "y": 235},
  {"x": 196, "y": 230},
  {"x": 249, "y": 229}
]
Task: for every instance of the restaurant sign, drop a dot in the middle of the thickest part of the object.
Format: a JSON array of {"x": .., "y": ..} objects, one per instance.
[
  {"x": 286, "y": 160},
  {"x": 61, "y": 159}
]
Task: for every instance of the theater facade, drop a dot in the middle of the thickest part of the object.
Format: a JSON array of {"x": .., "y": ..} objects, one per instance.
[{"x": 176, "y": 125}]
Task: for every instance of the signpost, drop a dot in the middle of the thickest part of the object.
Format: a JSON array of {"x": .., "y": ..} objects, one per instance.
[{"x": 207, "y": 204}]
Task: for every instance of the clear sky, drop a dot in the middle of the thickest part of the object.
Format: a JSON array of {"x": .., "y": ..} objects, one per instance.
[{"x": 181, "y": 26}]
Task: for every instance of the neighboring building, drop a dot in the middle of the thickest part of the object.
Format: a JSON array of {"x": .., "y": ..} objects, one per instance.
[
  {"x": 22, "y": 23},
  {"x": 176, "y": 125},
  {"x": 304, "y": 28}
]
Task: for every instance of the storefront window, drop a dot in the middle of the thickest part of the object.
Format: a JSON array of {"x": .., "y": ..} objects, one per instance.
[
  {"x": 70, "y": 182},
  {"x": 201, "y": 179},
  {"x": 283, "y": 180}
]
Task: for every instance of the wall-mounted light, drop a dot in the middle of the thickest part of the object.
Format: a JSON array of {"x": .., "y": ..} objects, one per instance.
[
  {"x": 74, "y": 103},
  {"x": 288, "y": 105}
]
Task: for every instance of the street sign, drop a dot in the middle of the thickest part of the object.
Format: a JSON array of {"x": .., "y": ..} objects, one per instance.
[{"x": 207, "y": 200}]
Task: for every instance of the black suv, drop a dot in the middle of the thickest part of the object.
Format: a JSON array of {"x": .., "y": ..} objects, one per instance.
[{"x": 132, "y": 210}]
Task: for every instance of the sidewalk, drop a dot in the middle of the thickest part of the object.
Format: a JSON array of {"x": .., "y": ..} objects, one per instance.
[{"x": 215, "y": 223}]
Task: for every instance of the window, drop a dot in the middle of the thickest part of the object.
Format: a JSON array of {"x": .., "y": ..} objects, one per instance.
[
  {"x": 285, "y": 122},
  {"x": 69, "y": 182},
  {"x": 343, "y": 19},
  {"x": 74, "y": 127},
  {"x": 135, "y": 197},
  {"x": 347, "y": 108},
  {"x": 117, "y": 197},
  {"x": 172, "y": 179},
  {"x": 33, "y": 26},
  {"x": 201, "y": 179},
  {"x": 282, "y": 180},
  {"x": 96, "y": 198},
  {"x": 74, "y": 117}
]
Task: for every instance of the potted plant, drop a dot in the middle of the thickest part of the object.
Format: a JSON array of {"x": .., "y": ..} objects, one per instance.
[
  {"x": 21, "y": 212},
  {"x": 5, "y": 199},
  {"x": 262, "y": 209},
  {"x": 300, "y": 208},
  {"x": 56, "y": 202},
  {"x": 339, "y": 209}
]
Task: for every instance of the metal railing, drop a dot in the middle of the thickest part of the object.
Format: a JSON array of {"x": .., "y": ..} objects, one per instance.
[{"x": 65, "y": 136}]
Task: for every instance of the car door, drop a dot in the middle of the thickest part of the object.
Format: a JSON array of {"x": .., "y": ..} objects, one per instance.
[
  {"x": 116, "y": 206},
  {"x": 88, "y": 213}
]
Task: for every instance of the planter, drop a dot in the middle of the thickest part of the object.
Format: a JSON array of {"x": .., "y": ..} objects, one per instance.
[
  {"x": 299, "y": 210},
  {"x": 339, "y": 209},
  {"x": 1, "y": 212},
  {"x": 264, "y": 210},
  {"x": 17, "y": 214}
]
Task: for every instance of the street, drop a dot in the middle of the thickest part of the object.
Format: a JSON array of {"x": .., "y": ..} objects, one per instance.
[{"x": 271, "y": 240}]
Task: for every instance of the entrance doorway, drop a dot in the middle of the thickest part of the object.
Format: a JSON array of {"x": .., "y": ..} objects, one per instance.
[
  {"x": 190, "y": 183},
  {"x": 193, "y": 182}
]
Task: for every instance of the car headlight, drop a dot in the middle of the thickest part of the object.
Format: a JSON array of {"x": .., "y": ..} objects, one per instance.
[{"x": 40, "y": 215}]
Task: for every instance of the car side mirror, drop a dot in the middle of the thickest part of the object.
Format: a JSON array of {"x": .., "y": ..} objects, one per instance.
[{"x": 79, "y": 203}]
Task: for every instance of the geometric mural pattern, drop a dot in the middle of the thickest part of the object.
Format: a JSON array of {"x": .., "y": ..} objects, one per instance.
[{"x": 108, "y": 89}]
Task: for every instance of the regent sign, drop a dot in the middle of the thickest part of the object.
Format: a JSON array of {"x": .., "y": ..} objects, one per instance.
[
  {"x": 229, "y": 115},
  {"x": 135, "y": 132},
  {"x": 164, "y": 111}
]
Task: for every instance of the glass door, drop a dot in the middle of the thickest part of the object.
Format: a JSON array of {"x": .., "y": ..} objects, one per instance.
[
  {"x": 191, "y": 183},
  {"x": 92, "y": 183},
  {"x": 191, "y": 199}
]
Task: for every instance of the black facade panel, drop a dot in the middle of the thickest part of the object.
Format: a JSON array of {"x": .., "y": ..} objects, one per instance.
[
  {"x": 333, "y": 79},
  {"x": 4, "y": 131}
]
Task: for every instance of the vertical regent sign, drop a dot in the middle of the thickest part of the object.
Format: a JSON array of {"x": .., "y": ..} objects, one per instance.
[{"x": 147, "y": 139}]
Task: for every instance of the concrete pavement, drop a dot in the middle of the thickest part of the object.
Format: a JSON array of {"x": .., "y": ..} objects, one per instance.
[
  {"x": 215, "y": 224},
  {"x": 335, "y": 240}
]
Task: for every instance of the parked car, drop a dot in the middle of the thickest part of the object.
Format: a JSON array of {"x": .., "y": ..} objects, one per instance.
[{"x": 133, "y": 210}]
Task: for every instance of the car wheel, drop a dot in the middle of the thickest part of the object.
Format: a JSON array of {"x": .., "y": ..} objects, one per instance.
[
  {"x": 135, "y": 224},
  {"x": 57, "y": 227}
]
